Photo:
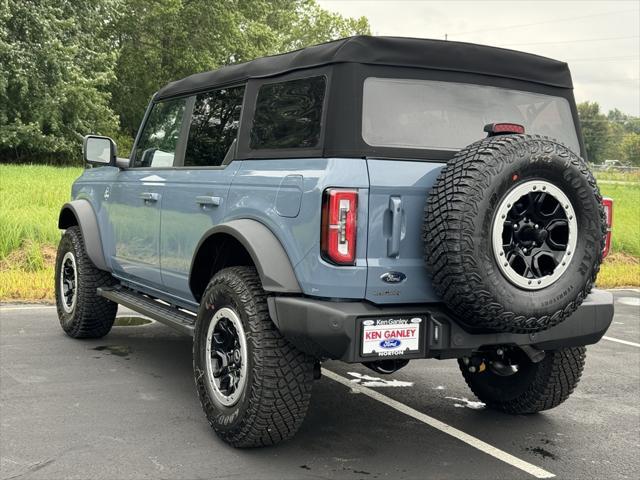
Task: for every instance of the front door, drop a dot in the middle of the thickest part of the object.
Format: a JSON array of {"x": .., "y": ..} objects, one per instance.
[
  {"x": 196, "y": 190},
  {"x": 135, "y": 199}
]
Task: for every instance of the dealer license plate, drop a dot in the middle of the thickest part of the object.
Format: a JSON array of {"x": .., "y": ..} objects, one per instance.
[{"x": 391, "y": 336}]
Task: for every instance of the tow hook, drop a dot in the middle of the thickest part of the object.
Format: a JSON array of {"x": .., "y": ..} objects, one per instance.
[
  {"x": 501, "y": 360},
  {"x": 535, "y": 355}
]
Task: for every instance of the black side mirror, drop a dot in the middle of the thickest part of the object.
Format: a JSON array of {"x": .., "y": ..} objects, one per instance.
[{"x": 99, "y": 150}]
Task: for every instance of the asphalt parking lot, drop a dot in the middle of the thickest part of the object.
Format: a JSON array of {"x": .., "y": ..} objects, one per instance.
[{"x": 124, "y": 407}]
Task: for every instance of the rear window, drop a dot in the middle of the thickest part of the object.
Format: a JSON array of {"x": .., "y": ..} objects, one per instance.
[
  {"x": 425, "y": 114},
  {"x": 288, "y": 114}
]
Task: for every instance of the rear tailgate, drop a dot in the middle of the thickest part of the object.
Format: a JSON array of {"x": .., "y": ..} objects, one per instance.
[{"x": 398, "y": 191}]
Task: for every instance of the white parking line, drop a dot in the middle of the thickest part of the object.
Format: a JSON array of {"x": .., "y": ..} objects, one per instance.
[
  {"x": 624, "y": 342},
  {"x": 443, "y": 427},
  {"x": 49, "y": 307},
  {"x": 34, "y": 307}
]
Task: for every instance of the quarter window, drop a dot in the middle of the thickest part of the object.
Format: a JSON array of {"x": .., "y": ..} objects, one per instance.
[
  {"x": 288, "y": 114},
  {"x": 157, "y": 143},
  {"x": 214, "y": 126}
]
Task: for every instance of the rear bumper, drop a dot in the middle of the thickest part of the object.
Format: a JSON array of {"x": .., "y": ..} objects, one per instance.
[{"x": 328, "y": 329}]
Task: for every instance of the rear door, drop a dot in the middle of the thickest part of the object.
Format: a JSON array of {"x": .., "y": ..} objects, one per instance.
[
  {"x": 135, "y": 198},
  {"x": 395, "y": 252},
  {"x": 435, "y": 118},
  {"x": 197, "y": 188}
]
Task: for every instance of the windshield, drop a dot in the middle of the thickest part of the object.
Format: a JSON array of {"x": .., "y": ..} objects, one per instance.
[{"x": 405, "y": 113}]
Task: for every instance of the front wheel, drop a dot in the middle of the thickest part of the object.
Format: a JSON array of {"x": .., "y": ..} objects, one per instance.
[
  {"x": 254, "y": 386},
  {"x": 518, "y": 386},
  {"x": 82, "y": 313}
]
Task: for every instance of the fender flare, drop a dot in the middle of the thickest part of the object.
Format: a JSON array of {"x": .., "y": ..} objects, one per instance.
[
  {"x": 273, "y": 265},
  {"x": 81, "y": 213}
]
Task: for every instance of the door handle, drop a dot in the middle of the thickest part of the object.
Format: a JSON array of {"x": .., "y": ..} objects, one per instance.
[
  {"x": 206, "y": 200},
  {"x": 393, "y": 243},
  {"x": 150, "y": 196}
]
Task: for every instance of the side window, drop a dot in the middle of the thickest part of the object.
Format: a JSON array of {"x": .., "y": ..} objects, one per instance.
[
  {"x": 157, "y": 144},
  {"x": 214, "y": 127},
  {"x": 288, "y": 114}
]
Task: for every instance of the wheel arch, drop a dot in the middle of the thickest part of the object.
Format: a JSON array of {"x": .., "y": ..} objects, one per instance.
[
  {"x": 242, "y": 242},
  {"x": 81, "y": 213}
]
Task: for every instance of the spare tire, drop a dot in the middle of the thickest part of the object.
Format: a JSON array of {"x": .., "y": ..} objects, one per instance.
[{"x": 514, "y": 232}]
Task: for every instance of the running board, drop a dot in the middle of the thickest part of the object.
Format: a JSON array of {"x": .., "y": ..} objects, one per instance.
[{"x": 161, "y": 312}]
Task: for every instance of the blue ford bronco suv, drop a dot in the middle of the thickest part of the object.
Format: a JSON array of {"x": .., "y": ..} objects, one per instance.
[{"x": 371, "y": 200}]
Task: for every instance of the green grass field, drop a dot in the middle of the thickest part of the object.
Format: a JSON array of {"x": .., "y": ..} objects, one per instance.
[
  {"x": 31, "y": 197},
  {"x": 616, "y": 176},
  {"x": 626, "y": 217}
]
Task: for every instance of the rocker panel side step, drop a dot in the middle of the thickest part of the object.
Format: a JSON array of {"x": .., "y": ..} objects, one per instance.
[{"x": 170, "y": 316}]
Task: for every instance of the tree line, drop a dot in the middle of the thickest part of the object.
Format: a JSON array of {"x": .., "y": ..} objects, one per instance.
[
  {"x": 72, "y": 67},
  {"x": 611, "y": 136}
]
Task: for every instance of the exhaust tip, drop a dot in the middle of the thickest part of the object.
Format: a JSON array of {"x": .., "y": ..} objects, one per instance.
[{"x": 387, "y": 367}]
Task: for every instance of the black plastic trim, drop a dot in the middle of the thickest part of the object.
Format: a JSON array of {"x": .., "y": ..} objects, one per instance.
[
  {"x": 85, "y": 217},
  {"x": 329, "y": 330},
  {"x": 266, "y": 251}
]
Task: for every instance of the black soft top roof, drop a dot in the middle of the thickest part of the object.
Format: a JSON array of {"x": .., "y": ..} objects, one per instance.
[{"x": 390, "y": 51}]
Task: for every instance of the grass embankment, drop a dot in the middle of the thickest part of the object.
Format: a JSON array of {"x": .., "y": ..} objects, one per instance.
[{"x": 31, "y": 197}]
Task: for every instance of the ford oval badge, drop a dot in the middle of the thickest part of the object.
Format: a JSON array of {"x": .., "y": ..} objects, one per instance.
[
  {"x": 390, "y": 343},
  {"x": 393, "y": 277}
]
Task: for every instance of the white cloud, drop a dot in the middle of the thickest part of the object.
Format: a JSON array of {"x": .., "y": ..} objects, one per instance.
[{"x": 599, "y": 39}]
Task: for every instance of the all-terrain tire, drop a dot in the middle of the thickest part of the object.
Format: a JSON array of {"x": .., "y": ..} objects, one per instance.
[
  {"x": 276, "y": 396},
  {"x": 535, "y": 387},
  {"x": 91, "y": 316},
  {"x": 459, "y": 215}
]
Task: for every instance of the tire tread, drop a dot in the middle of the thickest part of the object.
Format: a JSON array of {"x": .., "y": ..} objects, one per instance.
[
  {"x": 93, "y": 315},
  {"x": 555, "y": 379},
  {"x": 282, "y": 375},
  {"x": 448, "y": 229}
]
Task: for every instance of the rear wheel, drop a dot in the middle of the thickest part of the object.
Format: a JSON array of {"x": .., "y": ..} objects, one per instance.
[
  {"x": 82, "y": 313},
  {"x": 514, "y": 384},
  {"x": 254, "y": 386}
]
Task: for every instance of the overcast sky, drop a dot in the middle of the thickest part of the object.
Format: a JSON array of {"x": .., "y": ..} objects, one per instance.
[{"x": 599, "y": 39}]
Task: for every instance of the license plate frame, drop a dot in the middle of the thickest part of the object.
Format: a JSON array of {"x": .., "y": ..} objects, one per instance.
[{"x": 408, "y": 346}]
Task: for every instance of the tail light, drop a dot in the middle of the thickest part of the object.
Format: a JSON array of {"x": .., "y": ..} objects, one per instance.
[
  {"x": 338, "y": 233},
  {"x": 607, "y": 203}
]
